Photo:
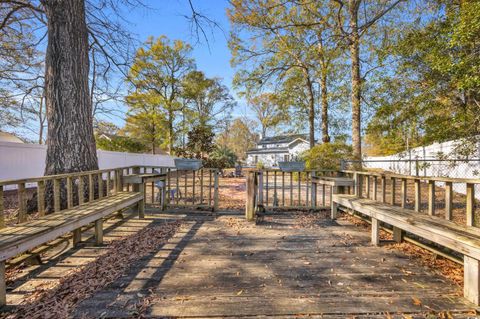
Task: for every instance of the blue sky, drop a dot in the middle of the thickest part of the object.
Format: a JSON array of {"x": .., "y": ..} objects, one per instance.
[{"x": 167, "y": 17}]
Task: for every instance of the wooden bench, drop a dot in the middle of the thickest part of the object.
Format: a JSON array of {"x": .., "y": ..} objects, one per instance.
[
  {"x": 463, "y": 239},
  {"x": 17, "y": 239}
]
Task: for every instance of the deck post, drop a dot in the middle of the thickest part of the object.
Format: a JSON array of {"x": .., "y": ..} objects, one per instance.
[
  {"x": 398, "y": 234},
  {"x": 251, "y": 196},
  {"x": 215, "y": 190},
  {"x": 313, "y": 190},
  {"x": 99, "y": 232},
  {"x": 3, "y": 284},
  {"x": 375, "y": 232},
  {"x": 471, "y": 281},
  {"x": 334, "y": 210},
  {"x": 141, "y": 203},
  {"x": 260, "y": 187},
  {"x": 77, "y": 236}
]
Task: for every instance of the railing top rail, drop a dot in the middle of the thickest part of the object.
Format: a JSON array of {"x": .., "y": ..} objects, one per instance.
[
  {"x": 73, "y": 174},
  {"x": 412, "y": 177}
]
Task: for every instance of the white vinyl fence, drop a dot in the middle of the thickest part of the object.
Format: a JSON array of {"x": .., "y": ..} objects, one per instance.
[{"x": 28, "y": 160}]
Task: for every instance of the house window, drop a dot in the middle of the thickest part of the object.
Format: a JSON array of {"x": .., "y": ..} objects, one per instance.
[
  {"x": 286, "y": 157},
  {"x": 255, "y": 159},
  {"x": 264, "y": 146}
]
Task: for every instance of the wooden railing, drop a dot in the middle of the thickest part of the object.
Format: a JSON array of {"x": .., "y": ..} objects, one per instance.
[
  {"x": 17, "y": 197},
  {"x": 188, "y": 188},
  {"x": 453, "y": 198},
  {"x": 291, "y": 190}
]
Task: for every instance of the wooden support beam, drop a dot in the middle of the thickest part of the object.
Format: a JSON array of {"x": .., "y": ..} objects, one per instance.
[
  {"x": 431, "y": 197},
  {"x": 2, "y": 209},
  {"x": 448, "y": 200},
  {"x": 375, "y": 232},
  {"x": 3, "y": 285},
  {"x": 99, "y": 232},
  {"x": 141, "y": 204},
  {"x": 334, "y": 210},
  {"x": 375, "y": 186},
  {"x": 470, "y": 207},
  {"x": 418, "y": 198},
  {"x": 77, "y": 236},
  {"x": 251, "y": 196},
  {"x": 471, "y": 281},
  {"x": 398, "y": 234}
]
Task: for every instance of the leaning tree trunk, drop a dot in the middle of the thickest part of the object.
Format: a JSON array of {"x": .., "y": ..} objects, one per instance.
[
  {"x": 70, "y": 140},
  {"x": 356, "y": 83}
]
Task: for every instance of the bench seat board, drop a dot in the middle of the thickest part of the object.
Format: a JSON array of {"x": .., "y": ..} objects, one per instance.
[
  {"x": 17, "y": 239},
  {"x": 463, "y": 239}
]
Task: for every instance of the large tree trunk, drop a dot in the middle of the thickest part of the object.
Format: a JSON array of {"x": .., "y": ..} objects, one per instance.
[
  {"x": 71, "y": 144},
  {"x": 311, "y": 110},
  {"x": 170, "y": 132},
  {"x": 356, "y": 81},
  {"x": 324, "y": 90}
]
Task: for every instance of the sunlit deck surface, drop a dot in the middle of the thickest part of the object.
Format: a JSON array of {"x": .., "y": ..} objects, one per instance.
[{"x": 226, "y": 267}]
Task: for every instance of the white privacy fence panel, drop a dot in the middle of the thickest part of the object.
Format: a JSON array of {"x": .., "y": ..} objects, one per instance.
[
  {"x": 437, "y": 160},
  {"x": 28, "y": 160}
]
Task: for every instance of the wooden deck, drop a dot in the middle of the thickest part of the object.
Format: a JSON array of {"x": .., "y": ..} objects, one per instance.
[{"x": 230, "y": 268}]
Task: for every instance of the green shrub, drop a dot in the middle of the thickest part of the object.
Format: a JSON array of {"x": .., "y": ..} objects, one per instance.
[
  {"x": 260, "y": 165},
  {"x": 327, "y": 155},
  {"x": 221, "y": 157}
]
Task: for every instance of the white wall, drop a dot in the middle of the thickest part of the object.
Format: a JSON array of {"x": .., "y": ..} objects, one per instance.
[{"x": 28, "y": 160}]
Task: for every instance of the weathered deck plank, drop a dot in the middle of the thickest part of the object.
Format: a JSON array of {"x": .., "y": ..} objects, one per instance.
[{"x": 228, "y": 268}]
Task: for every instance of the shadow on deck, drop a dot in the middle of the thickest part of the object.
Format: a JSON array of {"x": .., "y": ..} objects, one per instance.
[{"x": 226, "y": 267}]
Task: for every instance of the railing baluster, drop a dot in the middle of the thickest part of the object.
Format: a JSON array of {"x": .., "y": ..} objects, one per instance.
[
  {"x": 384, "y": 189},
  {"x": 418, "y": 198},
  {"x": 448, "y": 200},
  {"x": 392, "y": 199},
  {"x": 81, "y": 188},
  {"x": 283, "y": 189},
  {"x": 41, "y": 197},
  {"x": 100, "y": 185},
  {"x": 56, "y": 195},
  {"x": 91, "y": 194},
  {"x": 367, "y": 186},
  {"x": 404, "y": 192},
  {"x": 215, "y": 192},
  {"x": 299, "y": 189},
  {"x": 266, "y": 188},
  {"x": 431, "y": 197},
  {"x": 291, "y": 188},
  {"x": 375, "y": 184},
  {"x": 69, "y": 192},
  {"x": 470, "y": 204},
  {"x": 22, "y": 207}
]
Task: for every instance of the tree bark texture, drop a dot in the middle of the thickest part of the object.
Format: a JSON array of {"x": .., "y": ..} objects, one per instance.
[
  {"x": 324, "y": 91},
  {"x": 354, "y": 45},
  {"x": 311, "y": 110},
  {"x": 70, "y": 139}
]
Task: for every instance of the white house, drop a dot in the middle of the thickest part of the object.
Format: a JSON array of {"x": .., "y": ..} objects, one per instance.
[{"x": 271, "y": 150}]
